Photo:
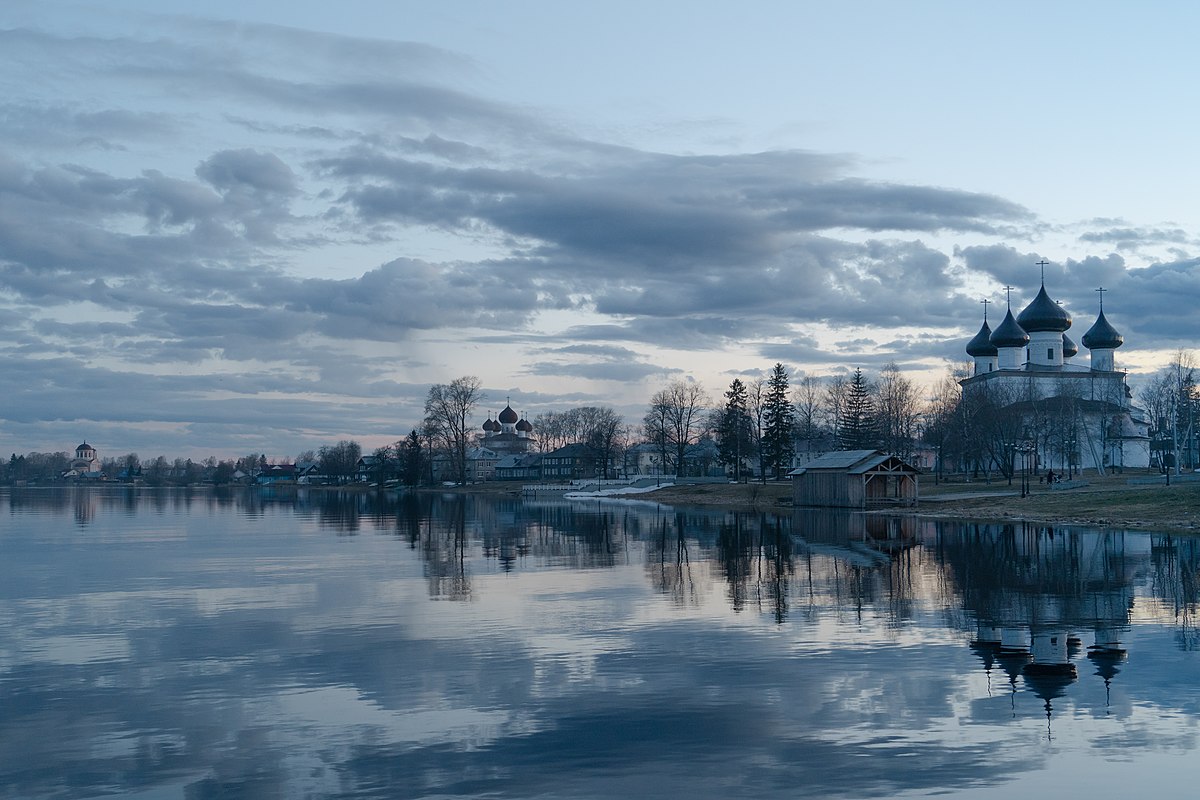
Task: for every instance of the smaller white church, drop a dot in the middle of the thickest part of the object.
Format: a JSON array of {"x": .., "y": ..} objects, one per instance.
[{"x": 1070, "y": 416}]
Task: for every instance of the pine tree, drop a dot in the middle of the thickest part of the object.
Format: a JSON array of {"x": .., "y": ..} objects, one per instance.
[
  {"x": 733, "y": 429},
  {"x": 779, "y": 419},
  {"x": 413, "y": 459},
  {"x": 857, "y": 431}
]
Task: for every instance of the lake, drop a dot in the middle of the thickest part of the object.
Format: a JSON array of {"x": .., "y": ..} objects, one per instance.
[{"x": 246, "y": 644}]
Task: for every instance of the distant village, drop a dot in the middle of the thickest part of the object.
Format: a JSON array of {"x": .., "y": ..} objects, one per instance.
[{"x": 1021, "y": 403}]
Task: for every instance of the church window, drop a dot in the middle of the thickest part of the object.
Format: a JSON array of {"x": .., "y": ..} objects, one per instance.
[{"x": 1050, "y": 354}]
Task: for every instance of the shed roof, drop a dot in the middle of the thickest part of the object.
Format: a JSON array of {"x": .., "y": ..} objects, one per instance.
[{"x": 854, "y": 462}]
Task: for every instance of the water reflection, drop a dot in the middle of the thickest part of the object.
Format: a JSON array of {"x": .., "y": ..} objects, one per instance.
[{"x": 227, "y": 644}]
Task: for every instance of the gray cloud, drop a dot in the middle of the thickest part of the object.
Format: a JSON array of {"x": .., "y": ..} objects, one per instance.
[{"x": 236, "y": 199}]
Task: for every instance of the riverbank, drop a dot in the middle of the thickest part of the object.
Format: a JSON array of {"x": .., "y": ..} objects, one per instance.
[{"x": 1108, "y": 501}]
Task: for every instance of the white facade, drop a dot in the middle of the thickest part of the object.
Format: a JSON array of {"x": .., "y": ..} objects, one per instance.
[{"x": 1070, "y": 415}]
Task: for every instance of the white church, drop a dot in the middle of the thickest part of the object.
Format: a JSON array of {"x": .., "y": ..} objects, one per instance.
[{"x": 1070, "y": 416}]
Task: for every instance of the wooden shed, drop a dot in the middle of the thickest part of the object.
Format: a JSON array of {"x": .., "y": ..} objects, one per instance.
[{"x": 855, "y": 479}]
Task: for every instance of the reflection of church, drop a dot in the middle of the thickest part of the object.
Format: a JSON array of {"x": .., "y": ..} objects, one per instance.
[
  {"x": 1033, "y": 592},
  {"x": 1072, "y": 415}
]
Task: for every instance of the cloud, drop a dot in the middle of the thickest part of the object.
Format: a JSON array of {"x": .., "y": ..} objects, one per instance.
[{"x": 220, "y": 198}]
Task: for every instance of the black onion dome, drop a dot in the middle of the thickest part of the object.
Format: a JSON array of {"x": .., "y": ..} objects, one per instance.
[
  {"x": 1069, "y": 347},
  {"x": 982, "y": 345},
  {"x": 491, "y": 427},
  {"x": 1043, "y": 314},
  {"x": 1102, "y": 335},
  {"x": 1009, "y": 334},
  {"x": 508, "y": 416},
  {"x": 524, "y": 426}
]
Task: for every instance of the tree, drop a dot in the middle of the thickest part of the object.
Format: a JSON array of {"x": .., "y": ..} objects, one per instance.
[
  {"x": 600, "y": 429},
  {"x": 383, "y": 467},
  {"x": 339, "y": 461},
  {"x": 779, "y": 418},
  {"x": 834, "y": 405},
  {"x": 223, "y": 473},
  {"x": 448, "y": 407},
  {"x": 897, "y": 411},
  {"x": 942, "y": 428},
  {"x": 807, "y": 399},
  {"x": 413, "y": 459},
  {"x": 675, "y": 419},
  {"x": 756, "y": 399},
  {"x": 733, "y": 428},
  {"x": 857, "y": 431},
  {"x": 156, "y": 473}
]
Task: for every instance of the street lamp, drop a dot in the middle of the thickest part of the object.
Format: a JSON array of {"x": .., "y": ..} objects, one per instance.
[{"x": 1026, "y": 448}]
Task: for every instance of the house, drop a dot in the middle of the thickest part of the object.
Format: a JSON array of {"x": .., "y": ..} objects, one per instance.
[
  {"x": 481, "y": 464},
  {"x": 276, "y": 473},
  {"x": 307, "y": 472},
  {"x": 519, "y": 467},
  {"x": 643, "y": 459},
  {"x": 373, "y": 469},
  {"x": 855, "y": 479},
  {"x": 571, "y": 462}
]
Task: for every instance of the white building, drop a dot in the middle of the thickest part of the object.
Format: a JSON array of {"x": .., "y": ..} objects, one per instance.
[{"x": 1065, "y": 415}]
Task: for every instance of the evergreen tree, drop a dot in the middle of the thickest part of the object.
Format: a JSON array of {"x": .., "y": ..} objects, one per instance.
[
  {"x": 779, "y": 419},
  {"x": 857, "y": 431},
  {"x": 734, "y": 440},
  {"x": 413, "y": 459}
]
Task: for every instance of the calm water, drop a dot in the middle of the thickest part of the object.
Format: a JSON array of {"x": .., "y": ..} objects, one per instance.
[{"x": 172, "y": 645}]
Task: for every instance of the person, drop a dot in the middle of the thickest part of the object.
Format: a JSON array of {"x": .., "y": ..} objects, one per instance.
[{"x": 1049, "y": 476}]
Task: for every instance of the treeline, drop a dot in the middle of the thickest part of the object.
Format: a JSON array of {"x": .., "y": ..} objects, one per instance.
[{"x": 756, "y": 427}]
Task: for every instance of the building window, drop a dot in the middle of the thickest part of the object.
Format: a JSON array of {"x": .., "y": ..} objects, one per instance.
[{"x": 1050, "y": 354}]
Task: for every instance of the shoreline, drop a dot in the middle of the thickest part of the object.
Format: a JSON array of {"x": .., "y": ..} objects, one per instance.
[{"x": 1105, "y": 502}]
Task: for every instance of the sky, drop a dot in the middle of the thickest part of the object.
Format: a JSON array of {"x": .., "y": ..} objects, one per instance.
[{"x": 253, "y": 226}]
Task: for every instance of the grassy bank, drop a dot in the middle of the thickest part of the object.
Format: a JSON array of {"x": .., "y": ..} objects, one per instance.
[{"x": 1106, "y": 501}]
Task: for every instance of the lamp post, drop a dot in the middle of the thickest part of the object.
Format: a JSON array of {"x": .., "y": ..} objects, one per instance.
[{"x": 1026, "y": 448}]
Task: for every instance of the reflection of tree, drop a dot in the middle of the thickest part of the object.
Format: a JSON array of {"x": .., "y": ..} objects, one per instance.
[
  {"x": 776, "y": 565},
  {"x": 669, "y": 561},
  {"x": 735, "y": 554},
  {"x": 1176, "y": 579},
  {"x": 756, "y": 556},
  {"x": 445, "y": 554}
]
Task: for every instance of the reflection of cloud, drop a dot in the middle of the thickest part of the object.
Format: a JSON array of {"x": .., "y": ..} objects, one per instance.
[
  {"x": 77, "y": 650},
  {"x": 265, "y": 655}
]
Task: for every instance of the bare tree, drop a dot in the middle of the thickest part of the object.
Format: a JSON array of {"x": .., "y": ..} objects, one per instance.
[
  {"x": 807, "y": 399},
  {"x": 676, "y": 418},
  {"x": 447, "y": 410},
  {"x": 897, "y": 410},
  {"x": 756, "y": 408},
  {"x": 601, "y": 428},
  {"x": 834, "y": 405}
]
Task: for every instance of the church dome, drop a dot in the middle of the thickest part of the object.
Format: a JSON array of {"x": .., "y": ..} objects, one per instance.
[
  {"x": 1102, "y": 335},
  {"x": 1010, "y": 334},
  {"x": 524, "y": 426},
  {"x": 1043, "y": 314},
  {"x": 1069, "y": 347},
  {"x": 491, "y": 427},
  {"x": 981, "y": 345},
  {"x": 508, "y": 416}
]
